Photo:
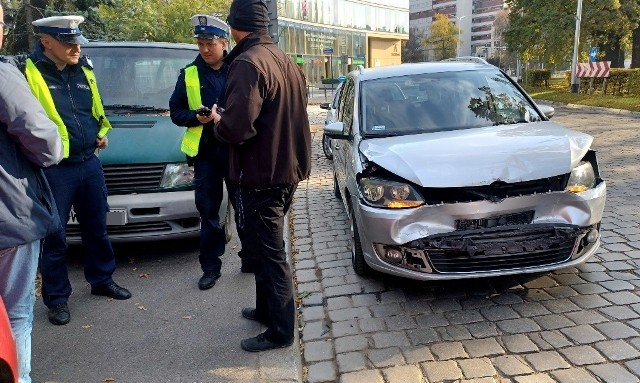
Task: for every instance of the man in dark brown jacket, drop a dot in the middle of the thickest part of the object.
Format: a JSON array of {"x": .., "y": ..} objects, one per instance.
[{"x": 266, "y": 123}]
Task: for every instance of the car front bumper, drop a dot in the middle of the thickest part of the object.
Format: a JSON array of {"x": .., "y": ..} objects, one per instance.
[
  {"x": 436, "y": 241},
  {"x": 149, "y": 216}
]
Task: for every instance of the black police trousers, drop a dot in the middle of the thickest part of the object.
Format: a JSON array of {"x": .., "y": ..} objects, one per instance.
[{"x": 261, "y": 215}]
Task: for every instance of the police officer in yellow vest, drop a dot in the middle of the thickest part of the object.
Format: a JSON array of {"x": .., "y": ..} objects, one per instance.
[
  {"x": 202, "y": 84},
  {"x": 65, "y": 85}
]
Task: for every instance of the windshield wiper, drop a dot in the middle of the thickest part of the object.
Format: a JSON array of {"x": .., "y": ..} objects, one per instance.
[
  {"x": 136, "y": 108},
  {"x": 510, "y": 122}
]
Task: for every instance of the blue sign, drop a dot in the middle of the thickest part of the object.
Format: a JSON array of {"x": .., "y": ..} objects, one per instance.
[
  {"x": 592, "y": 54},
  {"x": 327, "y": 51}
]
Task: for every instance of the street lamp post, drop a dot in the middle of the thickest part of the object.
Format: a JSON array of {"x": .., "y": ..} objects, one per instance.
[
  {"x": 459, "y": 30},
  {"x": 575, "y": 84}
]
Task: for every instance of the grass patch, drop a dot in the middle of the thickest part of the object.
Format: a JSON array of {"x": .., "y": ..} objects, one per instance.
[{"x": 559, "y": 91}]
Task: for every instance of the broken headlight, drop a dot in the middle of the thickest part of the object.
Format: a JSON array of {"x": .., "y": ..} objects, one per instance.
[
  {"x": 389, "y": 194},
  {"x": 177, "y": 175},
  {"x": 582, "y": 178}
]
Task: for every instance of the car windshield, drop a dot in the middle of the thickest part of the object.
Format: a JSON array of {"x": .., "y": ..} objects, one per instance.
[
  {"x": 137, "y": 78},
  {"x": 432, "y": 102}
]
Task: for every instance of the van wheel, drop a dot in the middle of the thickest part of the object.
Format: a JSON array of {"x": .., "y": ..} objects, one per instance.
[
  {"x": 326, "y": 147},
  {"x": 357, "y": 256}
]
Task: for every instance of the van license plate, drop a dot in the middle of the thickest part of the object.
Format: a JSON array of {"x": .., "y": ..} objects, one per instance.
[{"x": 115, "y": 217}]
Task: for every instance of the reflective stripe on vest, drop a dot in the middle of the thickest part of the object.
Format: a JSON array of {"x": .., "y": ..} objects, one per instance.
[
  {"x": 41, "y": 91},
  {"x": 191, "y": 138}
]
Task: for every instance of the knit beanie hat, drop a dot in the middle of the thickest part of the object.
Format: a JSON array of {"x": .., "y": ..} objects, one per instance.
[{"x": 248, "y": 16}]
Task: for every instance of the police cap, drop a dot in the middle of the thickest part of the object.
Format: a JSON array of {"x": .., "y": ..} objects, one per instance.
[
  {"x": 209, "y": 27},
  {"x": 62, "y": 28}
]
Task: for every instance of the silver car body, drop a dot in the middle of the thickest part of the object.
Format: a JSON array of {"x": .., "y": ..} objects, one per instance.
[{"x": 534, "y": 231}]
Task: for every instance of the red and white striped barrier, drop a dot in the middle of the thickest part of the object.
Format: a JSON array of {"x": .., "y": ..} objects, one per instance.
[{"x": 596, "y": 69}]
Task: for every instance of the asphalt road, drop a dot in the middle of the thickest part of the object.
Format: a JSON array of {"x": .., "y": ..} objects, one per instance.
[{"x": 169, "y": 331}]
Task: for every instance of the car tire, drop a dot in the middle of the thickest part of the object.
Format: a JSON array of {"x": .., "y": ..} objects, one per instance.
[
  {"x": 360, "y": 266},
  {"x": 326, "y": 147},
  {"x": 336, "y": 188},
  {"x": 227, "y": 224}
]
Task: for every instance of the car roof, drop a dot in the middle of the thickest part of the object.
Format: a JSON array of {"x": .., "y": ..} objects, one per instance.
[
  {"x": 365, "y": 74},
  {"x": 473, "y": 59},
  {"x": 140, "y": 44}
]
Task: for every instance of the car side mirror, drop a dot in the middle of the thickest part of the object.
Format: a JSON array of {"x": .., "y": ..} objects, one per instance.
[
  {"x": 335, "y": 130},
  {"x": 325, "y": 105},
  {"x": 547, "y": 110}
]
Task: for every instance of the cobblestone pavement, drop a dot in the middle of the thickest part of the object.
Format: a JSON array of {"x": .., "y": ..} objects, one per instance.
[{"x": 574, "y": 325}]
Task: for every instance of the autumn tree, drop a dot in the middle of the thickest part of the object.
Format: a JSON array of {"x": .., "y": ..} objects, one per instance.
[{"x": 442, "y": 38}]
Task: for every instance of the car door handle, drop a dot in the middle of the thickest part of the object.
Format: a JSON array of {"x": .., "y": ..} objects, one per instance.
[{"x": 336, "y": 146}]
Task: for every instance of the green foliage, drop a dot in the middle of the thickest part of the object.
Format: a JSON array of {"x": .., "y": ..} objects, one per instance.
[
  {"x": 157, "y": 20},
  {"x": 538, "y": 77},
  {"x": 620, "y": 82},
  {"x": 542, "y": 31},
  {"x": 633, "y": 82}
]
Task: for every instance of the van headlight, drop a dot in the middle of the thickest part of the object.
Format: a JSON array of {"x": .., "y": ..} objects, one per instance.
[
  {"x": 582, "y": 178},
  {"x": 177, "y": 175},
  {"x": 389, "y": 194}
]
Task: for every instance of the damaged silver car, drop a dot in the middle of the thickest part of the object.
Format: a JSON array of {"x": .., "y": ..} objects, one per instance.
[{"x": 449, "y": 170}]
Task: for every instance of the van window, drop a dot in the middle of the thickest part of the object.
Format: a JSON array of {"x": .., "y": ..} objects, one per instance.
[{"x": 143, "y": 76}]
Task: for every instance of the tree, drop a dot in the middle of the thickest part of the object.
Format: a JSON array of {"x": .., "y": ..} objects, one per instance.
[
  {"x": 413, "y": 50},
  {"x": 500, "y": 25},
  {"x": 635, "y": 53},
  {"x": 157, "y": 20},
  {"x": 542, "y": 30},
  {"x": 443, "y": 38}
]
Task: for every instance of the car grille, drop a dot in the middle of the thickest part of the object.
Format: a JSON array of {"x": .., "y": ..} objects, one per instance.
[
  {"x": 514, "y": 219},
  {"x": 73, "y": 231},
  {"x": 500, "y": 249},
  {"x": 121, "y": 178},
  {"x": 495, "y": 192}
]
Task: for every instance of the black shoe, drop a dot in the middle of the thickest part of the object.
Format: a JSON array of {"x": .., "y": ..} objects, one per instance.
[
  {"x": 59, "y": 314},
  {"x": 111, "y": 290},
  {"x": 260, "y": 343},
  {"x": 208, "y": 280},
  {"x": 250, "y": 313}
]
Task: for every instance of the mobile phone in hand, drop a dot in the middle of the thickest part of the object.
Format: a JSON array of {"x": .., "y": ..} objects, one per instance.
[{"x": 204, "y": 111}]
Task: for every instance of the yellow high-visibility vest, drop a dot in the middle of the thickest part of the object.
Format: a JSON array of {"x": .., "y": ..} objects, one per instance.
[
  {"x": 191, "y": 138},
  {"x": 41, "y": 91}
]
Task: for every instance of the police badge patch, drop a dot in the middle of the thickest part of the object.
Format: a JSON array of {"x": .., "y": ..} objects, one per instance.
[{"x": 202, "y": 20}]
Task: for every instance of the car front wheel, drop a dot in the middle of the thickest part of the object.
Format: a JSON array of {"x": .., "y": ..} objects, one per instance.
[
  {"x": 357, "y": 256},
  {"x": 326, "y": 147}
]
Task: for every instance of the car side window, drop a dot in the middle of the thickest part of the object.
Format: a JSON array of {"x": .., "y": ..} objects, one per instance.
[
  {"x": 345, "y": 105},
  {"x": 336, "y": 98}
]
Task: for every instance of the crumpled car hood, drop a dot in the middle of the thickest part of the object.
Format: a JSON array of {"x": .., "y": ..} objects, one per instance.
[{"x": 481, "y": 156}]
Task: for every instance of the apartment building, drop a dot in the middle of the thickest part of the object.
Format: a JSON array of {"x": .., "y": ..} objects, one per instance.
[{"x": 474, "y": 17}]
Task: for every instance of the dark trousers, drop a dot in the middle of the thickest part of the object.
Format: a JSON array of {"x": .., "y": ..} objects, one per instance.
[
  {"x": 82, "y": 186},
  {"x": 244, "y": 253},
  {"x": 208, "y": 180},
  {"x": 261, "y": 217}
]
